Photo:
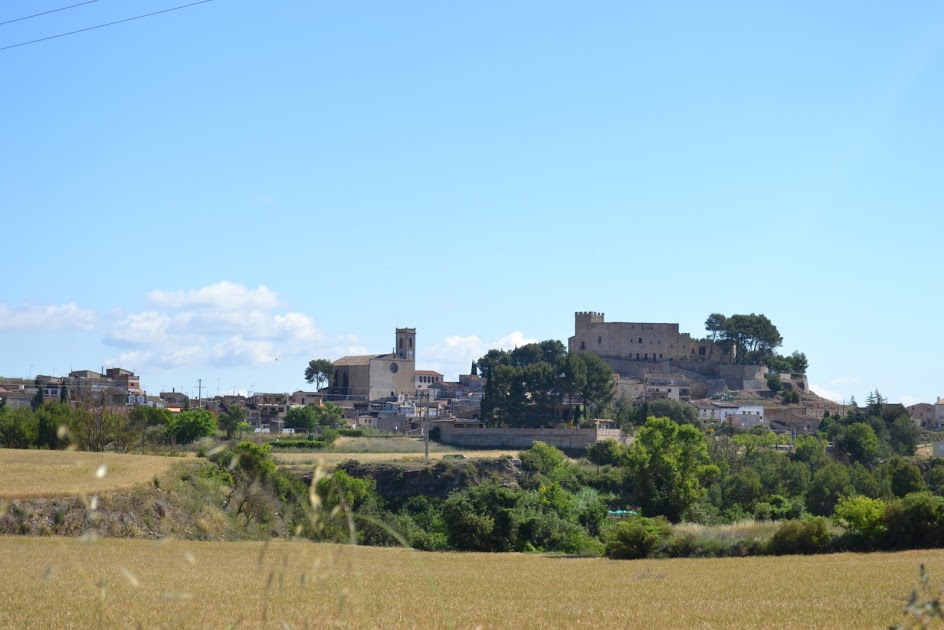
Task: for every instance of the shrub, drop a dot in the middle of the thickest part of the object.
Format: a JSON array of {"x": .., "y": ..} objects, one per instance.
[
  {"x": 636, "y": 538},
  {"x": 861, "y": 516},
  {"x": 800, "y": 537},
  {"x": 916, "y": 521}
]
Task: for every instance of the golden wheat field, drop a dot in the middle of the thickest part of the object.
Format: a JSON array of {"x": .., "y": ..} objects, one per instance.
[
  {"x": 58, "y": 473},
  {"x": 61, "y": 583}
]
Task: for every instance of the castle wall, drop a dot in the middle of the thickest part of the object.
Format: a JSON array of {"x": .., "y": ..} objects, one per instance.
[{"x": 638, "y": 341}]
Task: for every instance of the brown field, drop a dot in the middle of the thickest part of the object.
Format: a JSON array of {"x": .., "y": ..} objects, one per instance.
[
  {"x": 57, "y": 583},
  {"x": 61, "y": 473}
]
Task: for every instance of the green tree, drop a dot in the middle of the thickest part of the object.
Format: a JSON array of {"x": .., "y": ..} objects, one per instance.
[
  {"x": 606, "y": 453},
  {"x": 18, "y": 427},
  {"x": 669, "y": 462},
  {"x": 231, "y": 419},
  {"x": 858, "y": 443},
  {"x": 715, "y": 325},
  {"x": 678, "y": 411},
  {"x": 862, "y": 516},
  {"x": 902, "y": 476},
  {"x": 37, "y": 400},
  {"x": 903, "y": 435},
  {"x": 319, "y": 372},
  {"x": 800, "y": 362},
  {"x": 829, "y": 484},
  {"x": 301, "y": 418},
  {"x": 753, "y": 338},
  {"x": 192, "y": 424}
]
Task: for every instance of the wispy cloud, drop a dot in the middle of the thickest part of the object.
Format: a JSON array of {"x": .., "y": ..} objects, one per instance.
[
  {"x": 224, "y": 324},
  {"x": 454, "y": 355},
  {"x": 222, "y": 296},
  {"x": 46, "y": 317}
]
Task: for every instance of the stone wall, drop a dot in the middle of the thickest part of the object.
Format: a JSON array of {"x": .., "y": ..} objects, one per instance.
[{"x": 564, "y": 439}]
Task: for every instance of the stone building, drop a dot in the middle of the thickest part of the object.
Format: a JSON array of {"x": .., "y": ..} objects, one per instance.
[
  {"x": 375, "y": 376},
  {"x": 636, "y": 341}
]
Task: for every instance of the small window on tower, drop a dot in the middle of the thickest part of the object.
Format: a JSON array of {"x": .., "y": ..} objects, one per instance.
[{"x": 599, "y": 339}]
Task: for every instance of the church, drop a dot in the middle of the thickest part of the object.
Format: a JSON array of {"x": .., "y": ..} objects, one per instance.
[{"x": 377, "y": 376}]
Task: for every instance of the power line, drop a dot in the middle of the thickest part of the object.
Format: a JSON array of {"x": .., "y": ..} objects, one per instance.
[
  {"x": 29, "y": 17},
  {"x": 92, "y": 28}
]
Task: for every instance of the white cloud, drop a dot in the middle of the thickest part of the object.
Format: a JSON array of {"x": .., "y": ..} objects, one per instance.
[
  {"x": 46, "y": 317},
  {"x": 223, "y": 324},
  {"x": 455, "y": 354},
  {"x": 138, "y": 329},
  {"x": 239, "y": 351},
  {"x": 222, "y": 296},
  {"x": 173, "y": 358}
]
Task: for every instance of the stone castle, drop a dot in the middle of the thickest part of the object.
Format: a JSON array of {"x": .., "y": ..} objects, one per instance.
[{"x": 639, "y": 350}]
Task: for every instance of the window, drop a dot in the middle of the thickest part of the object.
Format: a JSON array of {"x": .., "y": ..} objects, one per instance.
[
  {"x": 599, "y": 339},
  {"x": 640, "y": 340},
  {"x": 583, "y": 346}
]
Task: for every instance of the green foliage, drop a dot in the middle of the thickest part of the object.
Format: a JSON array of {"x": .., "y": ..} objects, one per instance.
[
  {"x": 774, "y": 383},
  {"x": 606, "y": 453},
  {"x": 319, "y": 371},
  {"x": 192, "y": 424},
  {"x": 483, "y": 518},
  {"x": 669, "y": 462},
  {"x": 800, "y": 537},
  {"x": 861, "y": 516},
  {"x": 543, "y": 459},
  {"x": 903, "y": 477},
  {"x": 635, "y": 538},
  {"x": 231, "y": 419},
  {"x": 858, "y": 443},
  {"x": 829, "y": 484},
  {"x": 678, "y": 411},
  {"x": 525, "y": 387},
  {"x": 903, "y": 435},
  {"x": 19, "y": 428},
  {"x": 752, "y": 338},
  {"x": 915, "y": 521}
]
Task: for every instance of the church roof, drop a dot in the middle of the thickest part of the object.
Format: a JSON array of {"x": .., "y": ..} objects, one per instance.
[{"x": 359, "y": 359}]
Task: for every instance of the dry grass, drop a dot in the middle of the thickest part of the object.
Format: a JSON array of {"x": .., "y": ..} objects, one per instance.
[
  {"x": 735, "y": 531},
  {"x": 63, "y": 473},
  {"x": 55, "y": 582}
]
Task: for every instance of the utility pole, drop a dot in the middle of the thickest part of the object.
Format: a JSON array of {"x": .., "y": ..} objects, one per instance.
[
  {"x": 426, "y": 430},
  {"x": 199, "y": 392}
]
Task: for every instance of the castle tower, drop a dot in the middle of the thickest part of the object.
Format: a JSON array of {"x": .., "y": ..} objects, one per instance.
[{"x": 406, "y": 344}]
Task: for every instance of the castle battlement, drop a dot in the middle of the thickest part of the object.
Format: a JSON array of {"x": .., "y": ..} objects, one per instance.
[{"x": 588, "y": 317}]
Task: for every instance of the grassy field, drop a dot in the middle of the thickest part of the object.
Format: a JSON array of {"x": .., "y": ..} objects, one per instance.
[
  {"x": 56, "y": 582},
  {"x": 61, "y": 473}
]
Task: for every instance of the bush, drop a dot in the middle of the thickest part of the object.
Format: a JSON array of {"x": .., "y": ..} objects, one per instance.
[
  {"x": 800, "y": 537},
  {"x": 636, "y": 538},
  {"x": 915, "y": 522}
]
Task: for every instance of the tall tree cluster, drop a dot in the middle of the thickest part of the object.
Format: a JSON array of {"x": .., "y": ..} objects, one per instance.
[
  {"x": 753, "y": 339},
  {"x": 527, "y": 386}
]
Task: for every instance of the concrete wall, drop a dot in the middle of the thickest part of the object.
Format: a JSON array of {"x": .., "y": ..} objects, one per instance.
[{"x": 565, "y": 439}]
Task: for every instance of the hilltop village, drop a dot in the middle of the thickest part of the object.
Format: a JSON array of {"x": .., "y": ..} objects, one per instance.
[{"x": 386, "y": 392}]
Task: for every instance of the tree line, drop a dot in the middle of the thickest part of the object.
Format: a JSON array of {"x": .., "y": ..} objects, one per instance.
[{"x": 529, "y": 386}]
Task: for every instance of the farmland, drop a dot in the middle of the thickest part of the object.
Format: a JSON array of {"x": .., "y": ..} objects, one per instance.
[
  {"x": 212, "y": 584},
  {"x": 33, "y": 473}
]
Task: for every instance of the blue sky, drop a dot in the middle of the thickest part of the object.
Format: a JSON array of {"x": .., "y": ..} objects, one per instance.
[{"x": 226, "y": 191}]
